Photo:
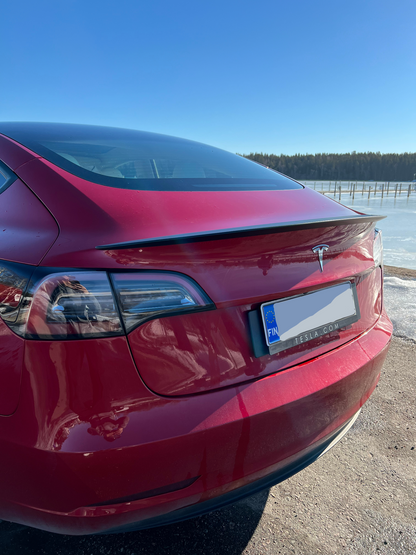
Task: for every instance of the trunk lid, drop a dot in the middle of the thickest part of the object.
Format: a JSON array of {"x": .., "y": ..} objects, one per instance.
[{"x": 188, "y": 354}]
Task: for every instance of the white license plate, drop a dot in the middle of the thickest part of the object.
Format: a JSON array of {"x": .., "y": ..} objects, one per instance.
[{"x": 294, "y": 321}]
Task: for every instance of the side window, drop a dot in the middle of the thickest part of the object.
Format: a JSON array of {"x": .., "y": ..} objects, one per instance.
[{"x": 6, "y": 177}]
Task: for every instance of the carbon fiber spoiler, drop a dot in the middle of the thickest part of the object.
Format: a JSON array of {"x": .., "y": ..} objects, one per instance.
[{"x": 214, "y": 235}]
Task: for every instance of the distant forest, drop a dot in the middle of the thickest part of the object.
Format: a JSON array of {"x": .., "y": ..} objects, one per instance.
[{"x": 354, "y": 166}]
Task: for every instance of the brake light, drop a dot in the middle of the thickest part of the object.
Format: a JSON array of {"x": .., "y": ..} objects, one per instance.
[{"x": 88, "y": 304}]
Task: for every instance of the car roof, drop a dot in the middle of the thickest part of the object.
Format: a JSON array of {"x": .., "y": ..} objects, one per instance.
[{"x": 27, "y": 132}]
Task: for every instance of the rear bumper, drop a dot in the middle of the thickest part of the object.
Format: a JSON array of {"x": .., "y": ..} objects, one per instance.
[
  {"x": 288, "y": 468},
  {"x": 227, "y": 444}
]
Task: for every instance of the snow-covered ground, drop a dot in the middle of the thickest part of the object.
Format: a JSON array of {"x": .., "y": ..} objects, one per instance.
[{"x": 400, "y": 301}]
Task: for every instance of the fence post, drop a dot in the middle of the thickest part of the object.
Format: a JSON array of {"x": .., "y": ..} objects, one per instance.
[
  {"x": 408, "y": 192},
  {"x": 395, "y": 193},
  {"x": 369, "y": 191}
]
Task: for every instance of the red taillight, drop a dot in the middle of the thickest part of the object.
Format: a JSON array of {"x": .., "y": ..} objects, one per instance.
[{"x": 86, "y": 304}]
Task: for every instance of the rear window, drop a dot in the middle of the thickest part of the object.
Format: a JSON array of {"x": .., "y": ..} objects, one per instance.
[{"x": 129, "y": 159}]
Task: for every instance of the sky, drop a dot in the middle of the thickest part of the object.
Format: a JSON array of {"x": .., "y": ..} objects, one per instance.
[{"x": 269, "y": 76}]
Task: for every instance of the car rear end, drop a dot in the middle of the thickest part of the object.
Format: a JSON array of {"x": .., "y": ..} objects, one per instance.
[{"x": 186, "y": 343}]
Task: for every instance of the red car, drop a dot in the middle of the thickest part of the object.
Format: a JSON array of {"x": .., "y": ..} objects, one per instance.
[{"x": 180, "y": 327}]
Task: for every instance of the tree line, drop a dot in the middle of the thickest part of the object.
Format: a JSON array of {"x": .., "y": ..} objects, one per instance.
[{"x": 352, "y": 166}]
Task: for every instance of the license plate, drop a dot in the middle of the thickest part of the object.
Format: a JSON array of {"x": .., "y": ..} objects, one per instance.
[{"x": 302, "y": 318}]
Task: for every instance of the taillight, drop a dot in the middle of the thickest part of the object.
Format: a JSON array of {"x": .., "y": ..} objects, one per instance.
[
  {"x": 76, "y": 304},
  {"x": 69, "y": 305},
  {"x": 378, "y": 248},
  {"x": 14, "y": 278},
  {"x": 145, "y": 295}
]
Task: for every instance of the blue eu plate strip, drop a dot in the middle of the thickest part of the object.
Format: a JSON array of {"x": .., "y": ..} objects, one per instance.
[{"x": 271, "y": 324}]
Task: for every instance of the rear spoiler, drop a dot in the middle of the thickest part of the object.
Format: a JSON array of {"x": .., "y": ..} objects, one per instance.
[{"x": 266, "y": 229}]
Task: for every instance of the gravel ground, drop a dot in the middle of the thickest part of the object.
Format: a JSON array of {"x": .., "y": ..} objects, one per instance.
[{"x": 360, "y": 498}]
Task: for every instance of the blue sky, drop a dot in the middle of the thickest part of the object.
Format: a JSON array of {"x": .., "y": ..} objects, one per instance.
[{"x": 267, "y": 76}]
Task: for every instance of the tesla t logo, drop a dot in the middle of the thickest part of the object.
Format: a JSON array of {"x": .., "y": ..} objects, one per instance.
[{"x": 320, "y": 249}]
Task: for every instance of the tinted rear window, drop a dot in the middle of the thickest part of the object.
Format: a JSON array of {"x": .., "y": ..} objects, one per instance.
[{"x": 129, "y": 159}]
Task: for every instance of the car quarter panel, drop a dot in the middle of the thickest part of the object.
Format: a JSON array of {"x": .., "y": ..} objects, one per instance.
[
  {"x": 14, "y": 154},
  {"x": 27, "y": 229},
  {"x": 11, "y": 356}
]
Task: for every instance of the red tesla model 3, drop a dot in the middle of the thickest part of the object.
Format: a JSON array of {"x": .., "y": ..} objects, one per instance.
[{"x": 180, "y": 327}]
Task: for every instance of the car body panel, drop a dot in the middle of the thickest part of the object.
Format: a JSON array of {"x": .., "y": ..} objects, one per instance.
[
  {"x": 258, "y": 269},
  {"x": 27, "y": 229},
  {"x": 186, "y": 362},
  {"x": 11, "y": 356},
  {"x": 113, "y": 437},
  {"x": 14, "y": 154}
]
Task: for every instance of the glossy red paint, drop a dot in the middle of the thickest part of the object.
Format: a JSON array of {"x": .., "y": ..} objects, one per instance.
[
  {"x": 104, "y": 215},
  {"x": 91, "y": 431},
  {"x": 95, "y": 426},
  {"x": 14, "y": 154},
  {"x": 257, "y": 269},
  {"x": 27, "y": 230},
  {"x": 11, "y": 356},
  {"x": 186, "y": 362}
]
